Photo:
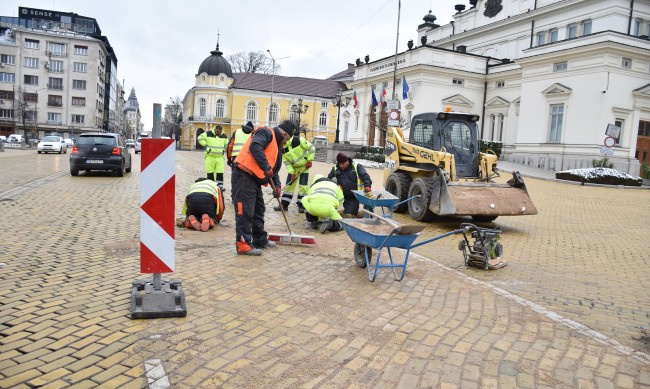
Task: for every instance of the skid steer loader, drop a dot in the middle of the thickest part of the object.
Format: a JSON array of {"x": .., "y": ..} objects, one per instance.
[{"x": 442, "y": 164}]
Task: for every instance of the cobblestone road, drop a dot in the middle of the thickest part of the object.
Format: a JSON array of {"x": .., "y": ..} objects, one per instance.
[{"x": 306, "y": 316}]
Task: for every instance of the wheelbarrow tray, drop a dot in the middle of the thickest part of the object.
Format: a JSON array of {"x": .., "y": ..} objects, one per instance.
[
  {"x": 377, "y": 198},
  {"x": 373, "y": 233}
]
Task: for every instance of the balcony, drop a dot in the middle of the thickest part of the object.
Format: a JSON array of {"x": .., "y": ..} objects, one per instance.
[
  {"x": 53, "y": 122},
  {"x": 54, "y": 87}
]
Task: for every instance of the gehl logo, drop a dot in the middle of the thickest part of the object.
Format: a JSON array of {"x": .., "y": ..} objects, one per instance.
[{"x": 426, "y": 155}]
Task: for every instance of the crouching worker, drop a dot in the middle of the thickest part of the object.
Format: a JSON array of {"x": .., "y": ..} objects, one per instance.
[
  {"x": 321, "y": 203},
  {"x": 203, "y": 206},
  {"x": 350, "y": 176}
]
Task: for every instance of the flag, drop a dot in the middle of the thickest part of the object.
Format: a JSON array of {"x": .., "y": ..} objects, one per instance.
[
  {"x": 374, "y": 99},
  {"x": 354, "y": 98},
  {"x": 405, "y": 88},
  {"x": 383, "y": 94}
]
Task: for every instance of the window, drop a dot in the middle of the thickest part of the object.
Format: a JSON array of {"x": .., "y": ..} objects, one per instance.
[
  {"x": 273, "y": 113},
  {"x": 458, "y": 81},
  {"x": 8, "y": 59},
  {"x": 322, "y": 119},
  {"x": 54, "y": 101},
  {"x": 78, "y": 84},
  {"x": 502, "y": 119},
  {"x": 56, "y": 66},
  {"x": 6, "y": 95},
  {"x": 31, "y": 80},
  {"x": 30, "y": 97},
  {"x": 553, "y": 35},
  {"x": 500, "y": 84},
  {"x": 626, "y": 63},
  {"x": 637, "y": 27},
  {"x": 644, "y": 128},
  {"x": 80, "y": 67},
  {"x": 557, "y": 117},
  {"x": 81, "y": 50},
  {"x": 323, "y": 105},
  {"x": 493, "y": 122},
  {"x": 53, "y": 118},
  {"x": 7, "y": 77},
  {"x": 560, "y": 67},
  {"x": 251, "y": 111},
  {"x": 586, "y": 27},
  {"x": 78, "y": 119},
  {"x": 55, "y": 83},
  {"x": 79, "y": 101},
  {"x": 6, "y": 113},
  {"x": 32, "y": 44},
  {"x": 31, "y": 62},
  {"x": 220, "y": 112},
  {"x": 57, "y": 48},
  {"x": 541, "y": 38},
  {"x": 293, "y": 115},
  {"x": 356, "y": 124},
  {"x": 572, "y": 30},
  {"x": 30, "y": 115},
  {"x": 202, "y": 107},
  {"x": 620, "y": 123}
]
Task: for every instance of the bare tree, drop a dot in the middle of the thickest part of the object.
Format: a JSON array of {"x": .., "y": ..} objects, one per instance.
[
  {"x": 173, "y": 117},
  {"x": 252, "y": 62},
  {"x": 25, "y": 111}
]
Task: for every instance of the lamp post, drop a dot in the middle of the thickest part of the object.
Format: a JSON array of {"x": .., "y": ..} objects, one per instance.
[
  {"x": 299, "y": 109},
  {"x": 338, "y": 102}
]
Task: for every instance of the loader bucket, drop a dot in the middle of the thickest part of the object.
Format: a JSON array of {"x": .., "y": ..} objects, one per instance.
[{"x": 482, "y": 198}]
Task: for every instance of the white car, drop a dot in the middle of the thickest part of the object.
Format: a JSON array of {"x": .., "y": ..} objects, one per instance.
[
  {"x": 69, "y": 142},
  {"x": 52, "y": 144},
  {"x": 138, "y": 145}
]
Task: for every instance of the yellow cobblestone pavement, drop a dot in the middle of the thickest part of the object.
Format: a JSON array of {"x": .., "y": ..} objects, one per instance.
[{"x": 568, "y": 311}]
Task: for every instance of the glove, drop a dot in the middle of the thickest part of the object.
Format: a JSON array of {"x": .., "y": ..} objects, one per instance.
[
  {"x": 229, "y": 162},
  {"x": 276, "y": 192},
  {"x": 308, "y": 165},
  {"x": 292, "y": 178},
  {"x": 367, "y": 189},
  {"x": 269, "y": 173}
]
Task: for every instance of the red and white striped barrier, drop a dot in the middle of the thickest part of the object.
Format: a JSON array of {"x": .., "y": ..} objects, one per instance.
[{"x": 157, "y": 202}]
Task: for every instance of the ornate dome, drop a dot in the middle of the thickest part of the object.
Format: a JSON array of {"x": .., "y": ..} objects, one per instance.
[{"x": 215, "y": 64}]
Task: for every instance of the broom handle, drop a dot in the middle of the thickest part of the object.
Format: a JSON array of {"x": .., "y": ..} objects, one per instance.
[
  {"x": 281, "y": 207},
  {"x": 290, "y": 182}
]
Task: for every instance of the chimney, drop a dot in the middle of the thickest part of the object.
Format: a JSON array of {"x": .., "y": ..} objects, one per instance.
[{"x": 461, "y": 49}]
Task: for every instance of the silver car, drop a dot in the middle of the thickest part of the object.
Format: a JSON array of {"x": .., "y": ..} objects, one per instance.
[
  {"x": 138, "y": 145},
  {"x": 52, "y": 144}
]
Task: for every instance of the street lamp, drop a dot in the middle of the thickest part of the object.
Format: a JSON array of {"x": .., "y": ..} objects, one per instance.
[
  {"x": 338, "y": 102},
  {"x": 299, "y": 109}
]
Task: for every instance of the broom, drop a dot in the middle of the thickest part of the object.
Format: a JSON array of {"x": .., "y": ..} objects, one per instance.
[{"x": 291, "y": 238}]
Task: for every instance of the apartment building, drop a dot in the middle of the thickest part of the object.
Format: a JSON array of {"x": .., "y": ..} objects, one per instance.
[{"x": 58, "y": 74}]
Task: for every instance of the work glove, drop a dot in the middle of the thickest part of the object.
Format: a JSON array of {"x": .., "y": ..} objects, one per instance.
[
  {"x": 229, "y": 162},
  {"x": 367, "y": 189},
  {"x": 292, "y": 178},
  {"x": 269, "y": 173},
  {"x": 276, "y": 192},
  {"x": 308, "y": 165}
]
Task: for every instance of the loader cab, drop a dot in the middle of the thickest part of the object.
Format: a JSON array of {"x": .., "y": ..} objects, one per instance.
[{"x": 456, "y": 132}]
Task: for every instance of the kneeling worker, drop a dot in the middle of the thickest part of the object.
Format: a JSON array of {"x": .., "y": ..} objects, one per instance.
[
  {"x": 350, "y": 176},
  {"x": 322, "y": 202},
  {"x": 204, "y": 203}
]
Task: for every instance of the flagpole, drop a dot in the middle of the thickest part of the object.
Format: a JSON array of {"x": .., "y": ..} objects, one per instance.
[{"x": 399, "y": 8}]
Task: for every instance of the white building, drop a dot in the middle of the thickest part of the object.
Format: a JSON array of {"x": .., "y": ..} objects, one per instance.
[{"x": 546, "y": 77}]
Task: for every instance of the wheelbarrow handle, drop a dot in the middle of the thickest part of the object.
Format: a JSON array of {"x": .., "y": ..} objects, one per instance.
[{"x": 405, "y": 201}]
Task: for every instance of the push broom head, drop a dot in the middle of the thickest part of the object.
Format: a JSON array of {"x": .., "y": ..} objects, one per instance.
[{"x": 292, "y": 239}]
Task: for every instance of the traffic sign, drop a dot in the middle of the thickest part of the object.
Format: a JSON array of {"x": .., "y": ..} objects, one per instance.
[
  {"x": 393, "y": 118},
  {"x": 609, "y": 142},
  {"x": 613, "y": 130},
  {"x": 606, "y": 151}
]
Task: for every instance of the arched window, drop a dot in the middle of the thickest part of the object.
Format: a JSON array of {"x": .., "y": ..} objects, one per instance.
[
  {"x": 220, "y": 112},
  {"x": 273, "y": 114},
  {"x": 293, "y": 113},
  {"x": 322, "y": 119},
  {"x": 202, "y": 107},
  {"x": 251, "y": 111}
]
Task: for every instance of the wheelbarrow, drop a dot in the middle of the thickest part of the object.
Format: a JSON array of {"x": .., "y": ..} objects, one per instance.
[
  {"x": 379, "y": 198},
  {"x": 378, "y": 232}
]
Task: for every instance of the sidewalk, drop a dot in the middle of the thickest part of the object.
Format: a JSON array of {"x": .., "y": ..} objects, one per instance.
[{"x": 526, "y": 171}]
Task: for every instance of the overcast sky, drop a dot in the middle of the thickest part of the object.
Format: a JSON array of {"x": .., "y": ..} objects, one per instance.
[{"x": 160, "y": 44}]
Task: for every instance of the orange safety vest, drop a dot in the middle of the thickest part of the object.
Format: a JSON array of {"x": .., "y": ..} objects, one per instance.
[{"x": 247, "y": 163}]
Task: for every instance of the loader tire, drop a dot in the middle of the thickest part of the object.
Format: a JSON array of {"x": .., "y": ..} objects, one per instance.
[
  {"x": 398, "y": 184},
  {"x": 484, "y": 218},
  {"x": 419, "y": 207}
]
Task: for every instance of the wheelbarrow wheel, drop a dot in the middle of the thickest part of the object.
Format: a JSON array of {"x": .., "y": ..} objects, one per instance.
[{"x": 360, "y": 252}]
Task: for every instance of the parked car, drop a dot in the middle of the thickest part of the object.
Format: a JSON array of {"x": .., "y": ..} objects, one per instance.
[
  {"x": 52, "y": 144},
  {"x": 100, "y": 151},
  {"x": 69, "y": 142},
  {"x": 3, "y": 138},
  {"x": 130, "y": 143},
  {"x": 15, "y": 138},
  {"x": 138, "y": 145}
]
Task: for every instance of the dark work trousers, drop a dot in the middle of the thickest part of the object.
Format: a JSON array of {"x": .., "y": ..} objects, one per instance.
[
  {"x": 249, "y": 205},
  {"x": 350, "y": 205},
  {"x": 201, "y": 203}
]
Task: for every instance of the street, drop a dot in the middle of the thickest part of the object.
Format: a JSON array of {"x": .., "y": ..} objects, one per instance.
[{"x": 571, "y": 309}]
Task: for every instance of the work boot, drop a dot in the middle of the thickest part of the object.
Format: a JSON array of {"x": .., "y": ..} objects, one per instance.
[
  {"x": 255, "y": 252},
  {"x": 301, "y": 209},
  {"x": 194, "y": 223},
  {"x": 313, "y": 225},
  {"x": 325, "y": 226},
  {"x": 285, "y": 206},
  {"x": 205, "y": 223},
  {"x": 244, "y": 248},
  {"x": 269, "y": 245}
]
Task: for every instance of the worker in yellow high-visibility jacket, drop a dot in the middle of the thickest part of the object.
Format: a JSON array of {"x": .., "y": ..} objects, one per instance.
[{"x": 215, "y": 147}]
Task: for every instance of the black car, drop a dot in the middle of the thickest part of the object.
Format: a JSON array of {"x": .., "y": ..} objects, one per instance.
[{"x": 100, "y": 151}]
